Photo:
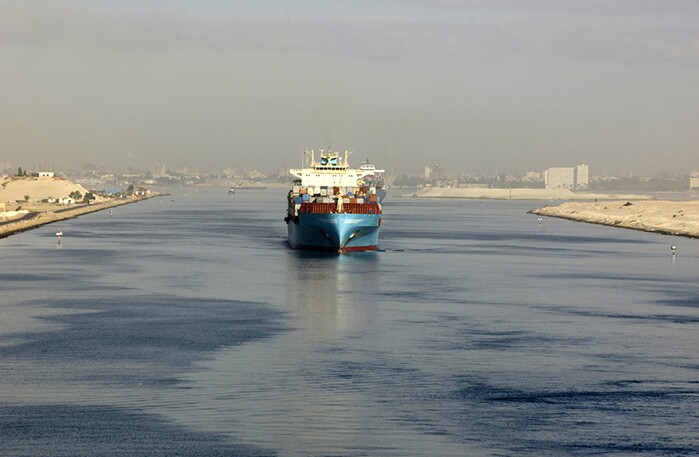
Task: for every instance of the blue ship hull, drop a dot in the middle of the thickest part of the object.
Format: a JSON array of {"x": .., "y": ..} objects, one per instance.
[{"x": 344, "y": 232}]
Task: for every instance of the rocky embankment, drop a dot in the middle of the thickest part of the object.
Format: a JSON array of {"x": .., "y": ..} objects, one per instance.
[{"x": 661, "y": 216}]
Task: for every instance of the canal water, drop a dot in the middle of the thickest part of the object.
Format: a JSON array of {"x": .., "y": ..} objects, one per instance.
[{"x": 184, "y": 325}]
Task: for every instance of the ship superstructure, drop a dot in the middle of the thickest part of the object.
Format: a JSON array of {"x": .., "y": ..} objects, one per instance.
[
  {"x": 331, "y": 207},
  {"x": 374, "y": 178}
]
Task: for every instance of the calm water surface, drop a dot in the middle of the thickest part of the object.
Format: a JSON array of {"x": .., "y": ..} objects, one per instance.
[{"x": 186, "y": 326}]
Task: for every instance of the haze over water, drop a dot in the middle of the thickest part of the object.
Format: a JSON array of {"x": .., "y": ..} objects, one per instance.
[{"x": 186, "y": 325}]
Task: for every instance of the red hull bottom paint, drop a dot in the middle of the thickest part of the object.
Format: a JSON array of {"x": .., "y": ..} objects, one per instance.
[
  {"x": 339, "y": 251},
  {"x": 358, "y": 249}
]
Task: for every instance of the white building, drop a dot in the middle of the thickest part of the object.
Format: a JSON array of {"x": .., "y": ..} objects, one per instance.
[
  {"x": 694, "y": 180},
  {"x": 560, "y": 178},
  {"x": 582, "y": 176},
  {"x": 577, "y": 177},
  {"x": 534, "y": 176}
]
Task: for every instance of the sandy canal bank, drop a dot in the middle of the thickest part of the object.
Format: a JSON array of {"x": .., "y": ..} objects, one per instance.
[
  {"x": 638, "y": 212},
  {"x": 661, "y": 216},
  {"x": 24, "y": 202},
  {"x": 517, "y": 194},
  {"x": 41, "y": 214}
]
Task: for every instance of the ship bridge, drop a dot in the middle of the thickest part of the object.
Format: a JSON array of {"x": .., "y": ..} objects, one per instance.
[{"x": 331, "y": 171}]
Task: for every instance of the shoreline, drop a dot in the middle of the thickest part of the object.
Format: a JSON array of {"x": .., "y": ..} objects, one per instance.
[
  {"x": 518, "y": 194},
  {"x": 40, "y": 217},
  {"x": 667, "y": 217}
]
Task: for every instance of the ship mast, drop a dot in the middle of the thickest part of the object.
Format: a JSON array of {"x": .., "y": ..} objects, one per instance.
[{"x": 312, "y": 154}]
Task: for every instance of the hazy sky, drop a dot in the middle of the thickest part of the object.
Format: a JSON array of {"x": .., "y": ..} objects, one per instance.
[{"x": 473, "y": 85}]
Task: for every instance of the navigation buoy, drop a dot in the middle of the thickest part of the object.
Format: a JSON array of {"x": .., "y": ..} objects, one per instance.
[
  {"x": 59, "y": 234},
  {"x": 673, "y": 248},
  {"x": 540, "y": 219}
]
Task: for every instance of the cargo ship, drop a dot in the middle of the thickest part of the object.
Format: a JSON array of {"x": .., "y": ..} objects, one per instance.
[
  {"x": 374, "y": 179},
  {"x": 331, "y": 207}
]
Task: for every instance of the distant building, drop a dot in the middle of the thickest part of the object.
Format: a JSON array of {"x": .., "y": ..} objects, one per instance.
[
  {"x": 44, "y": 174},
  {"x": 142, "y": 192},
  {"x": 694, "y": 180},
  {"x": 582, "y": 176},
  {"x": 533, "y": 176},
  {"x": 434, "y": 173},
  {"x": 158, "y": 170},
  {"x": 560, "y": 178},
  {"x": 577, "y": 177}
]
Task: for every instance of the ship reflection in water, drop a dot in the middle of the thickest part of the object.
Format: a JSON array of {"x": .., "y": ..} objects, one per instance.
[
  {"x": 299, "y": 391},
  {"x": 323, "y": 290}
]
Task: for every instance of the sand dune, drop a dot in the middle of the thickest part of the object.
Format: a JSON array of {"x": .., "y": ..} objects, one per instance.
[{"x": 15, "y": 189}]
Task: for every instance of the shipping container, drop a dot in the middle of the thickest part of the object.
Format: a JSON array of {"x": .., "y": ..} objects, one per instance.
[{"x": 328, "y": 208}]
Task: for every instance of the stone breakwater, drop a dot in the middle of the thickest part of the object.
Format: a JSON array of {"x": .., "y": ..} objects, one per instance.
[
  {"x": 662, "y": 216},
  {"x": 40, "y": 215}
]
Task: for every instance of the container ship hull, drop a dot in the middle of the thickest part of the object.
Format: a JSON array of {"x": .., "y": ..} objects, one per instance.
[
  {"x": 331, "y": 207},
  {"x": 335, "y": 232}
]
